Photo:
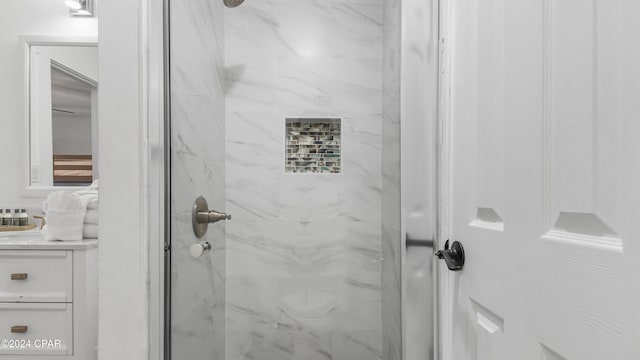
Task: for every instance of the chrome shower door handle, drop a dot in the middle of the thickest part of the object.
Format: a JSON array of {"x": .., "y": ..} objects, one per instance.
[
  {"x": 211, "y": 216},
  {"x": 201, "y": 217}
]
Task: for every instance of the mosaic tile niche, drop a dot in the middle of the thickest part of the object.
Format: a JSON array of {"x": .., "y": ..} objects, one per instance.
[{"x": 313, "y": 146}]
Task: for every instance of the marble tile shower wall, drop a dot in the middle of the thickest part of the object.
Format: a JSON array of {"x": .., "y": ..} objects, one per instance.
[
  {"x": 391, "y": 230},
  {"x": 303, "y": 251},
  {"x": 197, "y": 111}
]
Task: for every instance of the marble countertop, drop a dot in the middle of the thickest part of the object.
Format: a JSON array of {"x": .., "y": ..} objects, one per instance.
[{"x": 35, "y": 241}]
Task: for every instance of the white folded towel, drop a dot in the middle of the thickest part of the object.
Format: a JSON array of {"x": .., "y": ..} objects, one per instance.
[
  {"x": 94, "y": 185},
  {"x": 65, "y": 216},
  {"x": 90, "y": 231},
  {"x": 89, "y": 198},
  {"x": 93, "y": 204},
  {"x": 91, "y": 217}
]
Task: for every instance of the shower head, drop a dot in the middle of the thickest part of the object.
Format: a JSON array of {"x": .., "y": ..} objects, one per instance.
[{"x": 232, "y": 3}]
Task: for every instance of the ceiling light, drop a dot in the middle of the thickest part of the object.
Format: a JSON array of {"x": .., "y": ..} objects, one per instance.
[
  {"x": 73, "y": 4},
  {"x": 80, "y": 7}
]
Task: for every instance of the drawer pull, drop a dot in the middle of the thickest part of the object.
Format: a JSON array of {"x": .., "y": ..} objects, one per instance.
[
  {"x": 19, "y": 329},
  {"x": 19, "y": 276}
]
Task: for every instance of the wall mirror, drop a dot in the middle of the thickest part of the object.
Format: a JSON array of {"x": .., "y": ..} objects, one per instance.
[{"x": 61, "y": 111}]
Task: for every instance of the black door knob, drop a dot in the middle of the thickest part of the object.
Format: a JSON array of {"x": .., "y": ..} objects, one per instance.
[{"x": 453, "y": 257}]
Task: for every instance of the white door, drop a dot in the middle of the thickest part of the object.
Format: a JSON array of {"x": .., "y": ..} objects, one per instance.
[{"x": 544, "y": 171}]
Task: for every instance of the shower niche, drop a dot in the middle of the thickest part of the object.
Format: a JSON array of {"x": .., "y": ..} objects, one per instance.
[{"x": 313, "y": 145}]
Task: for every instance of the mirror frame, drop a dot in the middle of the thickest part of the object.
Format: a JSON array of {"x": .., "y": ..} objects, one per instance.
[{"x": 26, "y": 41}]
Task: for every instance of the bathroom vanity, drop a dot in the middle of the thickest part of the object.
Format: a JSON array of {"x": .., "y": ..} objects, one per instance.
[{"x": 48, "y": 299}]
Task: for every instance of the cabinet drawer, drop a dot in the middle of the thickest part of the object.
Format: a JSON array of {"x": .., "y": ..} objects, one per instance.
[
  {"x": 36, "y": 276},
  {"x": 36, "y": 329}
]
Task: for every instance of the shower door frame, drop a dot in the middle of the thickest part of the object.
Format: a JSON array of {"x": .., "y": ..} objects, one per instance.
[
  {"x": 154, "y": 65},
  {"x": 428, "y": 112},
  {"x": 154, "y": 70},
  {"x": 443, "y": 319}
]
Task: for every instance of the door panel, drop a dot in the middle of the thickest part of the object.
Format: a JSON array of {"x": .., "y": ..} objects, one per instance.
[
  {"x": 539, "y": 152},
  {"x": 487, "y": 333}
]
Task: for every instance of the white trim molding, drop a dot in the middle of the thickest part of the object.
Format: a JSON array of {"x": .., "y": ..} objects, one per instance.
[{"x": 444, "y": 319}]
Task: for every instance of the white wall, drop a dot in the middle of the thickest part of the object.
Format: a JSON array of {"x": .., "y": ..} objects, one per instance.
[
  {"x": 123, "y": 291},
  {"x": 25, "y": 17},
  {"x": 123, "y": 326}
]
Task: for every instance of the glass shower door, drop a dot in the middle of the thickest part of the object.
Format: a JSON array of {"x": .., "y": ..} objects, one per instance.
[
  {"x": 285, "y": 114},
  {"x": 197, "y": 284}
]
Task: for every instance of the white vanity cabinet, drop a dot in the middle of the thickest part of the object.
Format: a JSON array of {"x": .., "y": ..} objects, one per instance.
[{"x": 48, "y": 299}]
